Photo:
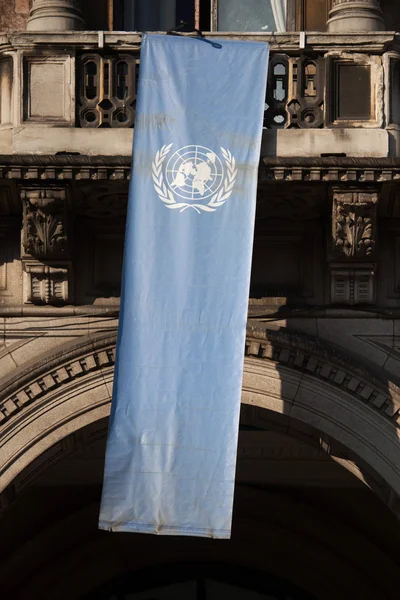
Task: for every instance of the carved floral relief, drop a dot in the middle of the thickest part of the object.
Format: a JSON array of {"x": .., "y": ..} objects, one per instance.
[
  {"x": 45, "y": 224},
  {"x": 354, "y": 224}
]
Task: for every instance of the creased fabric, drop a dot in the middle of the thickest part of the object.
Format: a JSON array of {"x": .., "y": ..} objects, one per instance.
[{"x": 171, "y": 450}]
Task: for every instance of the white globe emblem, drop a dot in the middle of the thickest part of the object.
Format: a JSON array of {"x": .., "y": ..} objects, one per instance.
[
  {"x": 193, "y": 177},
  {"x": 194, "y": 173}
]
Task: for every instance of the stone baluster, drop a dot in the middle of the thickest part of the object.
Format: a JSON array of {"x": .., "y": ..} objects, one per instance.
[
  {"x": 353, "y": 16},
  {"x": 56, "y": 15}
]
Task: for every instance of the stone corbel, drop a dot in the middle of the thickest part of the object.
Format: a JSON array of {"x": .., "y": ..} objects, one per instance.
[
  {"x": 352, "y": 284},
  {"x": 353, "y": 246},
  {"x": 46, "y": 251},
  {"x": 46, "y": 284}
]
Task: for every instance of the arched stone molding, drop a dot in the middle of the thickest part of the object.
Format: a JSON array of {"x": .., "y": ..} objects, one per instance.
[
  {"x": 285, "y": 373},
  {"x": 48, "y": 401}
]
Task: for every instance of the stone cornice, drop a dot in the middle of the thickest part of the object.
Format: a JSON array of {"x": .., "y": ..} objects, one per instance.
[
  {"x": 280, "y": 42},
  {"x": 67, "y": 167}
]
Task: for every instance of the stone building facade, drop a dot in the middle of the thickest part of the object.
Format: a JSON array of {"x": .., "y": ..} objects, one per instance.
[{"x": 318, "y": 476}]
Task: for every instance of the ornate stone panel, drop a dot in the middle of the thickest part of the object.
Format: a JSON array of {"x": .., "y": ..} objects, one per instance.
[
  {"x": 45, "y": 222},
  {"x": 47, "y": 93},
  {"x": 352, "y": 285},
  {"x": 46, "y": 284},
  {"x": 46, "y": 248},
  {"x": 353, "y": 246},
  {"x": 354, "y": 224},
  {"x": 107, "y": 90}
]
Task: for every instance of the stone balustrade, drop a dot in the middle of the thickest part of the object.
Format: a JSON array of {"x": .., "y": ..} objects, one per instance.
[{"x": 66, "y": 90}]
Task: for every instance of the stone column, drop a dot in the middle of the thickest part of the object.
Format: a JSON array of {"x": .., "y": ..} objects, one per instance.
[
  {"x": 56, "y": 15},
  {"x": 353, "y": 16}
]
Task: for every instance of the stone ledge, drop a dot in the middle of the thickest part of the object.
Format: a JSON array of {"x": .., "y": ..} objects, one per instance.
[
  {"x": 69, "y": 167},
  {"x": 282, "y": 42},
  {"x": 285, "y": 143},
  {"x": 358, "y": 143}
]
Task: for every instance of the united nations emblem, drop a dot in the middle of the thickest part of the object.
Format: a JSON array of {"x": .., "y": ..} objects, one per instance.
[{"x": 193, "y": 177}]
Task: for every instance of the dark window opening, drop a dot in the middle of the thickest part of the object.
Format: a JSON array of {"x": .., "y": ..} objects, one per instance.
[
  {"x": 95, "y": 13},
  {"x": 353, "y": 92}
]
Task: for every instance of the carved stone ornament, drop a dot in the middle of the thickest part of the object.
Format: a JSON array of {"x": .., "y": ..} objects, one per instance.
[
  {"x": 45, "y": 223},
  {"x": 354, "y": 225},
  {"x": 45, "y": 284},
  {"x": 46, "y": 250},
  {"x": 353, "y": 285}
]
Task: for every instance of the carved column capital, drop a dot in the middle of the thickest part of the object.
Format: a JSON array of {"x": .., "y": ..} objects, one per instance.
[
  {"x": 353, "y": 245},
  {"x": 354, "y": 16},
  {"x": 56, "y": 15},
  {"x": 354, "y": 224},
  {"x": 46, "y": 248},
  {"x": 45, "y": 223}
]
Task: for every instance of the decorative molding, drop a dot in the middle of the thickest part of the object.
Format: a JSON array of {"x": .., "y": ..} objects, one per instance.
[
  {"x": 353, "y": 243},
  {"x": 281, "y": 347},
  {"x": 44, "y": 284},
  {"x": 354, "y": 284},
  {"x": 305, "y": 104},
  {"x": 371, "y": 41},
  {"x": 75, "y": 167},
  {"x": 354, "y": 224},
  {"x": 287, "y": 358},
  {"x": 45, "y": 223},
  {"x": 107, "y": 90},
  {"x": 46, "y": 248},
  {"x": 308, "y": 356}
]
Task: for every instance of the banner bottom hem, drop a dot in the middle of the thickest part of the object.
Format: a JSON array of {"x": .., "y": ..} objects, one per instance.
[{"x": 224, "y": 534}]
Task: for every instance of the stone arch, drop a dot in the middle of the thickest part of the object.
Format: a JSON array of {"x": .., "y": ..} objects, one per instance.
[{"x": 354, "y": 412}]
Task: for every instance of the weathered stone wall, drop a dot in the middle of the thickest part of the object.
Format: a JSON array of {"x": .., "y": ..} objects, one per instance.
[{"x": 14, "y": 14}]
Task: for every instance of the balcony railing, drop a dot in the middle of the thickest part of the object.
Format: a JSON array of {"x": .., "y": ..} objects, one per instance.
[
  {"x": 87, "y": 81},
  {"x": 107, "y": 91}
]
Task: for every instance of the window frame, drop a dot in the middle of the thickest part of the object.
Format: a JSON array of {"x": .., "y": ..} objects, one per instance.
[
  {"x": 296, "y": 10},
  {"x": 376, "y": 90},
  {"x": 214, "y": 15}
]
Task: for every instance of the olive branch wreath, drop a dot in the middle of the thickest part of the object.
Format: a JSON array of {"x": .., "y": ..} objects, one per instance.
[{"x": 217, "y": 200}]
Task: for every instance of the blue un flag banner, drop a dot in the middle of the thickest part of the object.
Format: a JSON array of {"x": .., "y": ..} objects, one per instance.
[{"x": 172, "y": 443}]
